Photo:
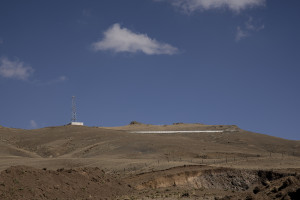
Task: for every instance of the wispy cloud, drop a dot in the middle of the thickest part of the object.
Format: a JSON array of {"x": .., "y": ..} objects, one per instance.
[
  {"x": 1, "y": 41},
  {"x": 251, "y": 26},
  {"x": 190, "y": 6},
  {"x": 54, "y": 81},
  {"x": 248, "y": 29},
  {"x": 240, "y": 34},
  {"x": 57, "y": 80},
  {"x": 86, "y": 13},
  {"x": 33, "y": 124},
  {"x": 14, "y": 69},
  {"x": 118, "y": 39}
]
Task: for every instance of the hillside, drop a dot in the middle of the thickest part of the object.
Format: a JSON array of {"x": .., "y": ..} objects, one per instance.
[
  {"x": 117, "y": 149},
  {"x": 117, "y": 143}
]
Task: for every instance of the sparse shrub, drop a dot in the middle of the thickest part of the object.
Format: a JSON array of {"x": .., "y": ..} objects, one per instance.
[
  {"x": 256, "y": 190},
  {"x": 15, "y": 181},
  {"x": 278, "y": 195},
  {"x": 294, "y": 194},
  {"x": 249, "y": 197},
  {"x": 274, "y": 190},
  {"x": 134, "y": 122},
  {"x": 186, "y": 194}
]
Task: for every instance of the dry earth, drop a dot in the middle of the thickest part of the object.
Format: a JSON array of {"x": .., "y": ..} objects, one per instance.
[{"x": 78, "y": 162}]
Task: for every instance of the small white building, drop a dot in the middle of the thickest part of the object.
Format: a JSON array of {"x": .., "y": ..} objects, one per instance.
[{"x": 76, "y": 123}]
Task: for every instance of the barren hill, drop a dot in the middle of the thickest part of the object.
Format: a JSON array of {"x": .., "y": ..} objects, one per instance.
[
  {"x": 123, "y": 150},
  {"x": 69, "y": 142}
]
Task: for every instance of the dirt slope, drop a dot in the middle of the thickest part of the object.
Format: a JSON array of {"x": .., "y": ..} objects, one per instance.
[
  {"x": 188, "y": 182},
  {"x": 87, "y": 183}
]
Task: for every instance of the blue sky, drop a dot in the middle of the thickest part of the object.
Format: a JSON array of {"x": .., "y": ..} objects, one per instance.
[{"x": 154, "y": 61}]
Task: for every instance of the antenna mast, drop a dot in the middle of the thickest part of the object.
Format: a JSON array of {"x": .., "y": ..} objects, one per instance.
[
  {"x": 74, "y": 114},
  {"x": 73, "y": 119}
]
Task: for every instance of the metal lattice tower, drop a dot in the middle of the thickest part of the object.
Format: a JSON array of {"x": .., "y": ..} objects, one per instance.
[{"x": 73, "y": 119}]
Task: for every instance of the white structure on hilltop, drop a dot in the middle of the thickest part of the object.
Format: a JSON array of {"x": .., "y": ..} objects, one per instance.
[
  {"x": 74, "y": 114},
  {"x": 77, "y": 123}
]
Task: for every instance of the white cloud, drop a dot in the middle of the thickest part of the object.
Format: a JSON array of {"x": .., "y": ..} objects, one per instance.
[
  {"x": 252, "y": 27},
  {"x": 33, "y": 124},
  {"x": 62, "y": 78},
  {"x": 234, "y": 5},
  {"x": 249, "y": 28},
  {"x": 14, "y": 69},
  {"x": 57, "y": 80},
  {"x": 240, "y": 34},
  {"x": 118, "y": 39}
]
